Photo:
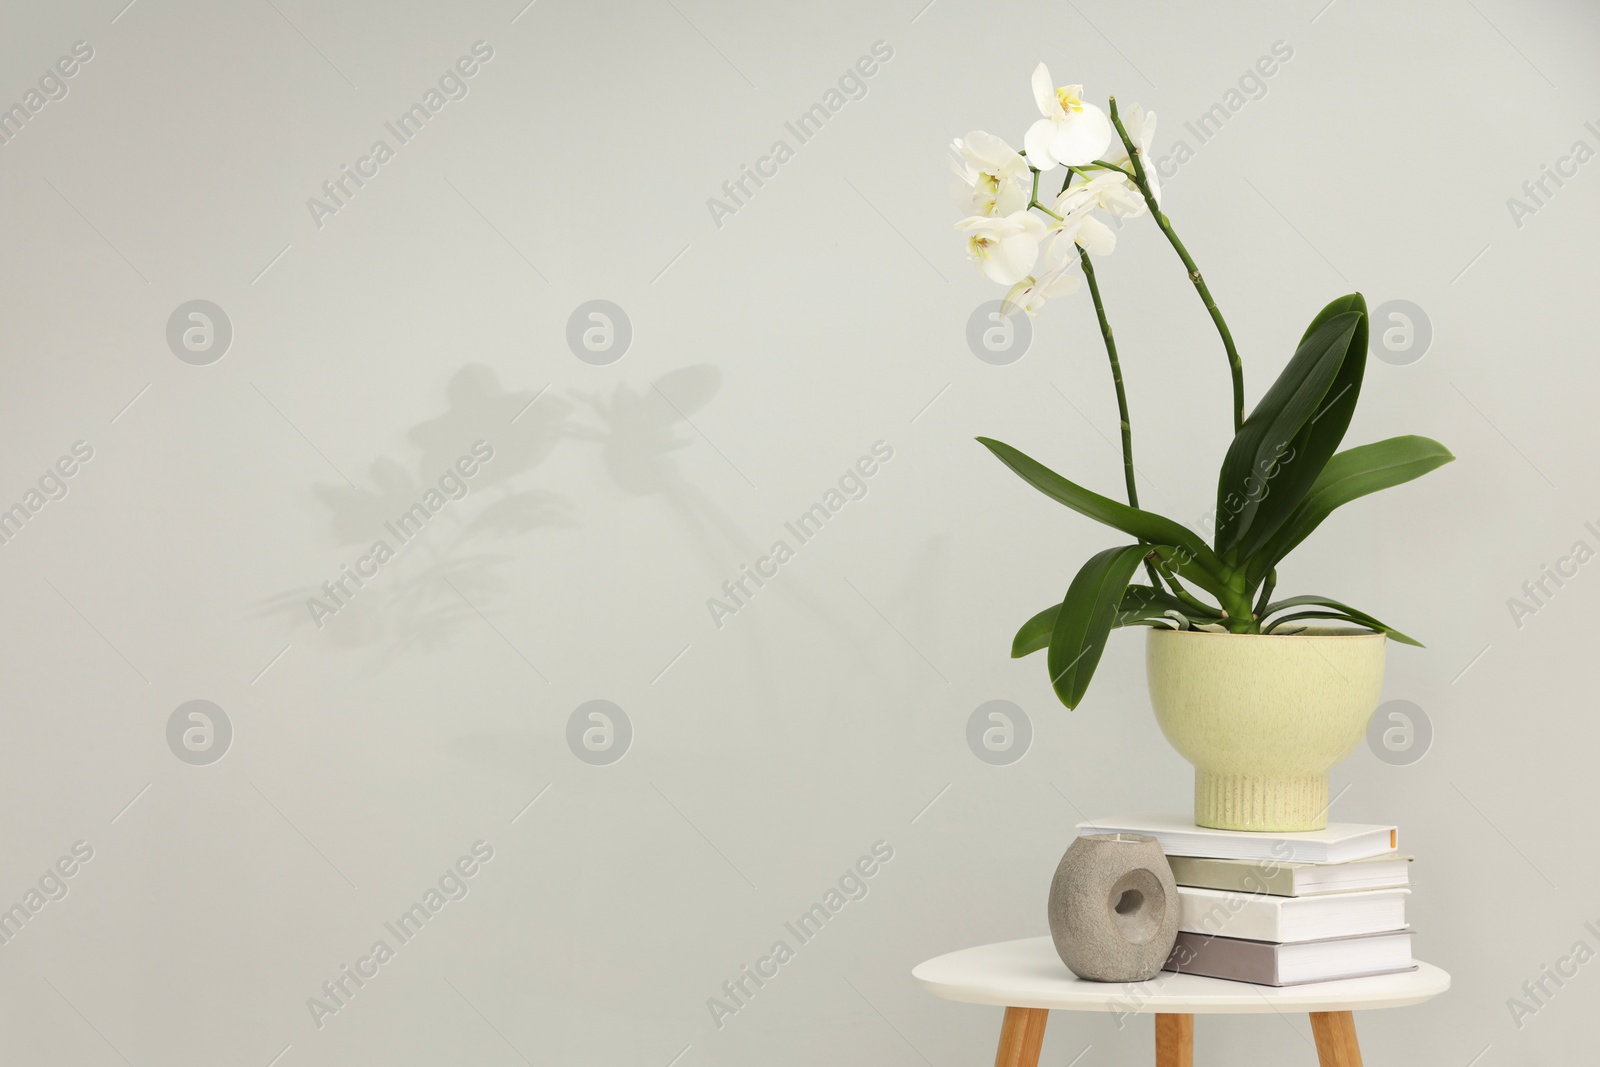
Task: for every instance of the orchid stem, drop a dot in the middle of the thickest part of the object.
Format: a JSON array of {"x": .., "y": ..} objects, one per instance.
[
  {"x": 1128, "y": 473},
  {"x": 1103, "y": 165},
  {"x": 1116, "y": 380},
  {"x": 1235, "y": 367},
  {"x": 1122, "y": 398}
]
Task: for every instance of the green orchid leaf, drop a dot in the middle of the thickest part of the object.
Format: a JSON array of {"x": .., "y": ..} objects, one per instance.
[
  {"x": 1275, "y": 625},
  {"x": 1140, "y": 604},
  {"x": 1176, "y": 561},
  {"x": 1320, "y": 439},
  {"x": 1351, "y": 474},
  {"x": 1035, "y": 633},
  {"x": 1085, "y": 619},
  {"x": 1340, "y": 611},
  {"x": 1191, "y": 556},
  {"x": 1284, "y": 444}
]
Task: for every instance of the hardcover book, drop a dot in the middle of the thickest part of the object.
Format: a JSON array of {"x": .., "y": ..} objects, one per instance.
[
  {"x": 1296, "y": 963},
  {"x": 1291, "y": 879},
  {"x": 1259, "y": 917},
  {"x": 1179, "y": 836}
]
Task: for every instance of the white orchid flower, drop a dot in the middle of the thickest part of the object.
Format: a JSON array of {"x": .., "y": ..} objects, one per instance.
[
  {"x": 991, "y": 176},
  {"x": 1071, "y": 133},
  {"x": 1051, "y": 283},
  {"x": 1004, "y": 247},
  {"x": 1141, "y": 129},
  {"x": 1108, "y": 191},
  {"x": 1078, "y": 225}
]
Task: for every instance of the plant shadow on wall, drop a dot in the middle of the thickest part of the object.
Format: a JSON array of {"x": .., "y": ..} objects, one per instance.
[
  {"x": 415, "y": 561},
  {"x": 639, "y": 433}
]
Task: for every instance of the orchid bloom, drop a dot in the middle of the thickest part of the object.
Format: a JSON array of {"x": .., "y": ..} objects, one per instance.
[
  {"x": 1078, "y": 225},
  {"x": 1071, "y": 133},
  {"x": 1108, "y": 191},
  {"x": 1004, "y": 247},
  {"x": 991, "y": 175},
  {"x": 1141, "y": 129},
  {"x": 1051, "y": 283}
]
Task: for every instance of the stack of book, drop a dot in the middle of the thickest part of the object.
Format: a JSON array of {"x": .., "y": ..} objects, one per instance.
[{"x": 1283, "y": 909}]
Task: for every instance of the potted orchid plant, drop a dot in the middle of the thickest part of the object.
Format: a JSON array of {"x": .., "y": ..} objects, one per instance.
[{"x": 1262, "y": 695}]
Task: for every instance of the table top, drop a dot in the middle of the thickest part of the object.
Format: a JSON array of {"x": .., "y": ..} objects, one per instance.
[{"x": 1029, "y": 974}]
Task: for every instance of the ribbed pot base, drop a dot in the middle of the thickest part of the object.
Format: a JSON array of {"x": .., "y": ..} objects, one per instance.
[{"x": 1257, "y": 802}]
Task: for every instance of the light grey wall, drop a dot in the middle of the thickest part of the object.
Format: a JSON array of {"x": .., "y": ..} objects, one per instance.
[{"x": 768, "y": 353}]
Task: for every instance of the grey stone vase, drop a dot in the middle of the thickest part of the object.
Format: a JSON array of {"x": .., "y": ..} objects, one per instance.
[{"x": 1114, "y": 908}]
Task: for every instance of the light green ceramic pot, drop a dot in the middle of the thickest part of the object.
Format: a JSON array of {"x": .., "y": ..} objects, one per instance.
[{"x": 1264, "y": 718}]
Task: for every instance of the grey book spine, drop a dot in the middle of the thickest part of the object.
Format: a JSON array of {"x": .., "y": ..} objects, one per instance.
[
  {"x": 1225, "y": 957},
  {"x": 1239, "y": 960}
]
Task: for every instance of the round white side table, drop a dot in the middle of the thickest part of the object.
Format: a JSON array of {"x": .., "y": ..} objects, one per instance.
[{"x": 1028, "y": 979}]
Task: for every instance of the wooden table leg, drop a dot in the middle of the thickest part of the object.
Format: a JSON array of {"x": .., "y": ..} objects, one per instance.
[
  {"x": 1335, "y": 1032},
  {"x": 1174, "y": 1040},
  {"x": 1021, "y": 1037}
]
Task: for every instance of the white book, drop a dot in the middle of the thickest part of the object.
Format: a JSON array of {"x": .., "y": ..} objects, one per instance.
[
  {"x": 1292, "y": 879},
  {"x": 1340, "y": 842},
  {"x": 1258, "y": 917}
]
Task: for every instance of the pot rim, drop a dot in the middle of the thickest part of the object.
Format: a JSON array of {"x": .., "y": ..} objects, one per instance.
[{"x": 1312, "y": 633}]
